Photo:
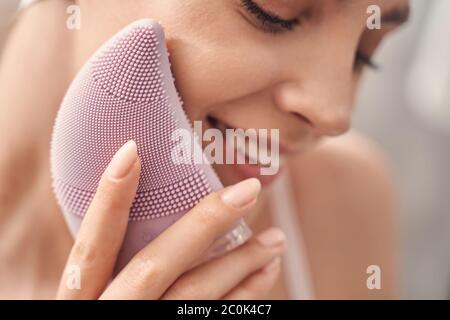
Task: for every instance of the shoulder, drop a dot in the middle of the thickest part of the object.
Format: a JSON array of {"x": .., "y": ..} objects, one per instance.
[
  {"x": 345, "y": 196},
  {"x": 349, "y": 165}
]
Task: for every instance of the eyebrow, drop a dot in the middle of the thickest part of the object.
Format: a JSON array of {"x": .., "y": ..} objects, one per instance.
[{"x": 396, "y": 16}]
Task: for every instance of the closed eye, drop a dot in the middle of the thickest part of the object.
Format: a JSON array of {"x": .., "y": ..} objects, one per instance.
[
  {"x": 270, "y": 22},
  {"x": 363, "y": 60}
]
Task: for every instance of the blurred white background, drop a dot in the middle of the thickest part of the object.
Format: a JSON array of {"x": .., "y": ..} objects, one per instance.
[{"x": 402, "y": 110}]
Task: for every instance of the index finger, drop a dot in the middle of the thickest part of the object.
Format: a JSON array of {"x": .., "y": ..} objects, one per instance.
[
  {"x": 103, "y": 228},
  {"x": 158, "y": 265}
]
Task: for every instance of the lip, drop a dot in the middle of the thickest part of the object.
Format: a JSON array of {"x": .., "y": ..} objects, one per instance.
[
  {"x": 248, "y": 170},
  {"x": 285, "y": 149}
]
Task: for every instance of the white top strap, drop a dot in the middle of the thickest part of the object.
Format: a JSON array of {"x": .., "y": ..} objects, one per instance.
[{"x": 295, "y": 261}]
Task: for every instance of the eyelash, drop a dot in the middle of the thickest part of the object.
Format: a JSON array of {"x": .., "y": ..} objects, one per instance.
[
  {"x": 270, "y": 23},
  {"x": 363, "y": 60}
]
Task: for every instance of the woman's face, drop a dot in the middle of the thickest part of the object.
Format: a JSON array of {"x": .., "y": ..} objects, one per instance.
[{"x": 292, "y": 65}]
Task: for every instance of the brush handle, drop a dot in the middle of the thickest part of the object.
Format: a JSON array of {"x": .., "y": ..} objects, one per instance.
[{"x": 140, "y": 233}]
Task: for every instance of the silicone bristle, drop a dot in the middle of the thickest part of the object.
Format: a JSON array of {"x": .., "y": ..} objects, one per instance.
[
  {"x": 125, "y": 92},
  {"x": 130, "y": 68}
]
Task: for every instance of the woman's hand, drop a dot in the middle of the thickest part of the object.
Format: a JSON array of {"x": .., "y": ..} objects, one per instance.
[{"x": 163, "y": 269}]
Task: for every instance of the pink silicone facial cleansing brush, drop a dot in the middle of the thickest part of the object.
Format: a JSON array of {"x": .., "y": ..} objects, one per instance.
[{"x": 127, "y": 91}]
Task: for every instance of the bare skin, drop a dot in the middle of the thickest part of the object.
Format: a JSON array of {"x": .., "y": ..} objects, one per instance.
[{"x": 345, "y": 196}]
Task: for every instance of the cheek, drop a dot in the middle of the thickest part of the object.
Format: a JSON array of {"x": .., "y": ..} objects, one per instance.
[{"x": 218, "y": 62}]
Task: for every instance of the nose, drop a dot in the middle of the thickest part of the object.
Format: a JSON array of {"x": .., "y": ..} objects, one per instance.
[
  {"x": 326, "y": 108},
  {"x": 318, "y": 85}
]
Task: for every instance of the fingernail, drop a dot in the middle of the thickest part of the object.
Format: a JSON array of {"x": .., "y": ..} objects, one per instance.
[
  {"x": 271, "y": 266},
  {"x": 123, "y": 161},
  {"x": 272, "y": 238},
  {"x": 241, "y": 193}
]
